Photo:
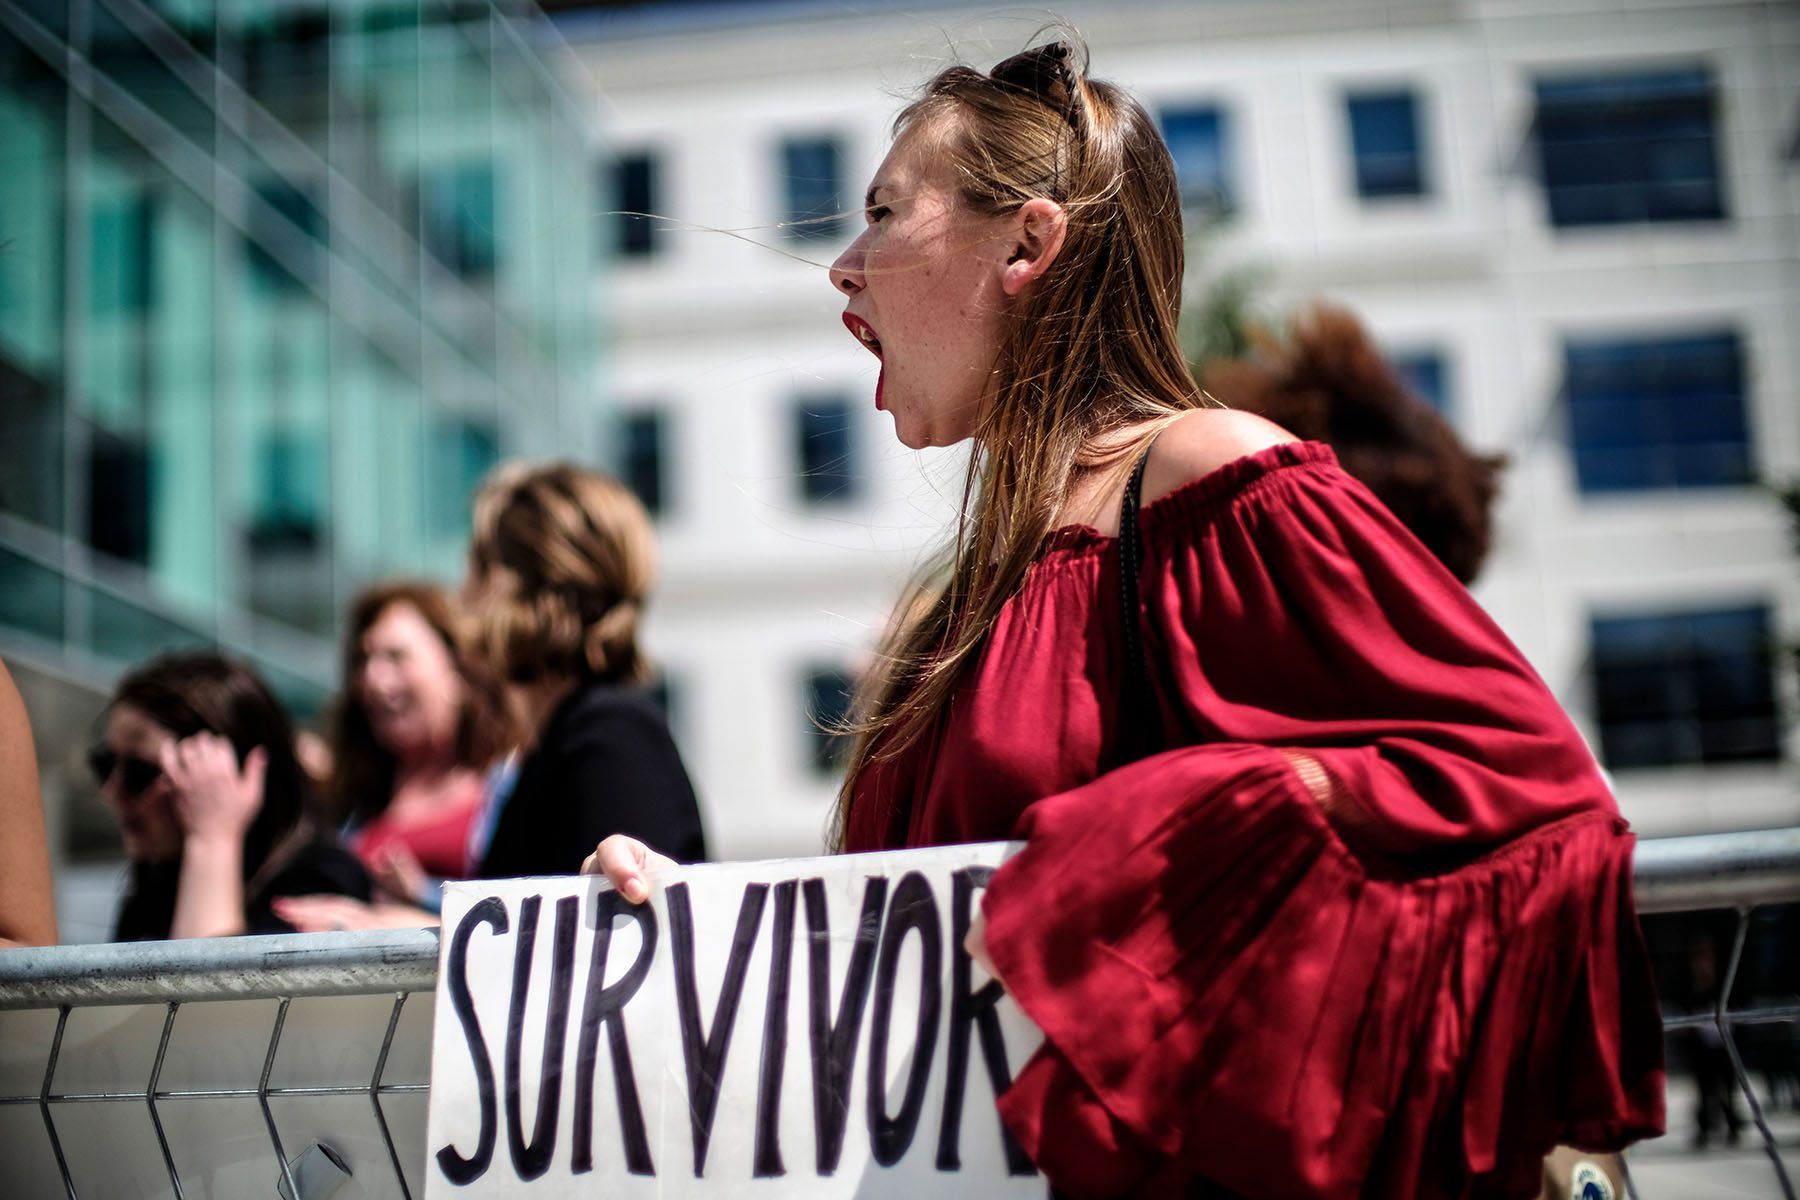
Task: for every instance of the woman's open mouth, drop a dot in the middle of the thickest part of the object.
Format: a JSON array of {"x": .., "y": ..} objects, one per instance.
[{"x": 863, "y": 332}]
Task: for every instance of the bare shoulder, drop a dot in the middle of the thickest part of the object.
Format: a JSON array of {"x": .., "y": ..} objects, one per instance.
[{"x": 1200, "y": 442}]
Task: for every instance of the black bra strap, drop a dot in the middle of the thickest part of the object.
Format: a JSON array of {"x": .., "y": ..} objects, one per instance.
[{"x": 1136, "y": 710}]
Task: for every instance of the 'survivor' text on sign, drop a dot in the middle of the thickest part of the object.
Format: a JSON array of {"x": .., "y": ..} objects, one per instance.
[{"x": 806, "y": 1027}]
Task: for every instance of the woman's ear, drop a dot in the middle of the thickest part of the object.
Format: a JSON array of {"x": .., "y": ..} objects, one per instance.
[{"x": 1038, "y": 227}]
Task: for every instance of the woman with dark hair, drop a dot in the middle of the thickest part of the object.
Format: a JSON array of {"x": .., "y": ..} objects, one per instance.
[
  {"x": 198, "y": 763},
  {"x": 1299, "y": 822}
]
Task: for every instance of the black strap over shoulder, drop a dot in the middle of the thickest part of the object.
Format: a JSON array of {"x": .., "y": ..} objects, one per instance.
[{"x": 1137, "y": 710}]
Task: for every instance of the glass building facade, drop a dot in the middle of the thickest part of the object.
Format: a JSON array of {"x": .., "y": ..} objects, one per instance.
[{"x": 279, "y": 280}]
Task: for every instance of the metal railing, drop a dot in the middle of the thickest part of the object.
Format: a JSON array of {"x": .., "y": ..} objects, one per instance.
[{"x": 1738, "y": 871}]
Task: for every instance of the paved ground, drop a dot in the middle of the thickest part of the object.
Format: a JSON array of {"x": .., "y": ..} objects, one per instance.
[{"x": 1670, "y": 1169}]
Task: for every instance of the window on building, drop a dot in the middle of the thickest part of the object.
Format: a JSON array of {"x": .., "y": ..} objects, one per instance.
[
  {"x": 813, "y": 170},
  {"x": 825, "y": 447},
  {"x": 1424, "y": 374},
  {"x": 1384, "y": 142},
  {"x": 457, "y": 214},
  {"x": 632, "y": 231},
  {"x": 1629, "y": 147},
  {"x": 285, "y": 245},
  {"x": 1658, "y": 412},
  {"x": 462, "y": 450},
  {"x": 1199, "y": 138},
  {"x": 290, "y": 486},
  {"x": 1685, "y": 687},
  {"x": 828, "y": 691},
  {"x": 121, "y": 254},
  {"x": 119, "y": 493},
  {"x": 642, "y": 457}
]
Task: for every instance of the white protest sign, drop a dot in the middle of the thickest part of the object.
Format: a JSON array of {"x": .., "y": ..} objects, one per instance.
[{"x": 805, "y": 1027}]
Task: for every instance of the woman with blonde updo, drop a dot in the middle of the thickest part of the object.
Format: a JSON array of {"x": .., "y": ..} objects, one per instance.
[{"x": 560, "y": 565}]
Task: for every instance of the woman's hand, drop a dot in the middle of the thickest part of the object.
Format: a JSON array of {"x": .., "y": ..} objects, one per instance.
[
  {"x": 398, "y": 873},
  {"x": 215, "y": 800},
  {"x": 626, "y": 863},
  {"x": 976, "y": 944},
  {"x": 320, "y": 914}
]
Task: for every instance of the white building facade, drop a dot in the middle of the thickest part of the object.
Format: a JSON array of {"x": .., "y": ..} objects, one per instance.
[{"x": 1576, "y": 225}]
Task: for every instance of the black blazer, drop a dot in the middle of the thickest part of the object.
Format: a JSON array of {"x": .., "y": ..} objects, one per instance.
[{"x": 604, "y": 764}]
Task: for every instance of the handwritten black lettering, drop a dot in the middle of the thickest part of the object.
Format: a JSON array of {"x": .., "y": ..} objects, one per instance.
[
  {"x": 532, "y": 1158},
  {"x": 704, "y": 1052},
  {"x": 972, "y": 1010},
  {"x": 834, "y": 1040},
  {"x": 775, "y": 1035},
  {"x": 606, "y": 1005},
  {"x": 457, "y": 1169},
  {"x": 913, "y": 908}
]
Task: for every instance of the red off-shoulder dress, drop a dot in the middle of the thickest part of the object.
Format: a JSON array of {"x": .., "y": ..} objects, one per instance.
[{"x": 1363, "y": 928}]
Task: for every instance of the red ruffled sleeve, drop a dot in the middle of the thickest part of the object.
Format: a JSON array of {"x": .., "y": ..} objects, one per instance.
[{"x": 1407, "y": 969}]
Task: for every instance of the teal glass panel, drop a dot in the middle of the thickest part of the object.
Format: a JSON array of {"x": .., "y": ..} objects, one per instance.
[
  {"x": 127, "y": 632},
  {"x": 303, "y": 698},
  {"x": 147, "y": 367},
  {"x": 31, "y": 597},
  {"x": 463, "y": 449},
  {"x": 281, "y": 425},
  {"x": 32, "y": 108}
]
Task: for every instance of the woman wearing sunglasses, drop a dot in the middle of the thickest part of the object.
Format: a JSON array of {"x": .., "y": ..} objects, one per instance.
[
  {"x": 1301, "y": 827},
  {"x": 198, "y": 764}
]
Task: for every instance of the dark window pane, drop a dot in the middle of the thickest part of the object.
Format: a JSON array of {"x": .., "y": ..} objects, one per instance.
[
  {"x": 291, "y": 485},
  {"x": 633, "y": 193},
  {"x": 1384, "y": 140},
  {"x": 457, "y": 206},
  {"x": 814, "y": 172},
  {"x": 828, "y": 693},
  {"x": 119, "y": 483},
  {"x": 1423, "y": 373},
  {"x": 1679, "y": 688},
  {"x": 1200, "y": 140},
  {"x": 826, "y": 449},
  {"x": 31, "y": 444},
  {"x": 285, "y": 246},
  {"x": 1658, "y": 413},
  {"x": 121, "y": 259},
  {"x": 642, "y": 461},
  {"x": 1632, "y": 147}
]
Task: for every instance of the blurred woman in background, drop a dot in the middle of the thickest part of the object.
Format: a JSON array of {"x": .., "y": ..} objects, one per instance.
[
  {"x": 198, "y": 764},
  {"x": 560, "y": 565},
  {"x": 415, "y": 732}
]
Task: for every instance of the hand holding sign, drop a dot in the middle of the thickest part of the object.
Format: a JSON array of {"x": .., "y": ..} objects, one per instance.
[{"x": 626, "y": 863}]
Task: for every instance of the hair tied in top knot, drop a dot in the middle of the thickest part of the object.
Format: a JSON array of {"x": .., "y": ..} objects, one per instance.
[{"x": 1044, "y": 73}]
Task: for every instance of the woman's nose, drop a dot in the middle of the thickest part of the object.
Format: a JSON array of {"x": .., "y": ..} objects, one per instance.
[{"x": 847, "y": 271}]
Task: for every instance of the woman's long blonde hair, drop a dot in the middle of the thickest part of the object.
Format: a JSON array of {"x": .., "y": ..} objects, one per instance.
[{"x": 1091, "y": 348}]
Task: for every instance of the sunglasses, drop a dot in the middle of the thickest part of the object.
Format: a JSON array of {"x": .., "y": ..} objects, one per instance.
[{"x": 138, "y": 773}]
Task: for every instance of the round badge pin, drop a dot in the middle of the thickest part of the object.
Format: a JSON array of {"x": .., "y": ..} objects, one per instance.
[{"x": 1589, "y": 1182}]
